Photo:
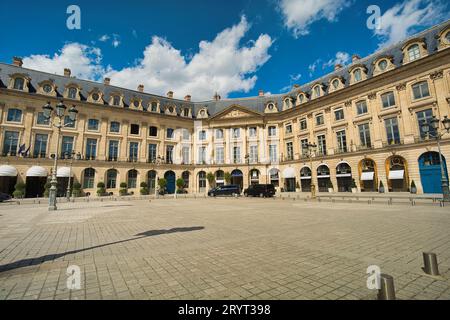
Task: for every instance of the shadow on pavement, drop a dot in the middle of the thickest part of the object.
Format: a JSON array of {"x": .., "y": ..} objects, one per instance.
[{"x": 36, "y": 261}]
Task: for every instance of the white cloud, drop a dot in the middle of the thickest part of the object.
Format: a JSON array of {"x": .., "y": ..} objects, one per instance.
[
  {"x": 104, "y": 38},
  {"x": 341, "y": 58},
  {"x": 295, "y": 77},
  {"x": 300, "y": 14},
  {"x": 222, "y": 65},
  {"x": 84, "y": 61},
  {"x": 400, "y": 21}
]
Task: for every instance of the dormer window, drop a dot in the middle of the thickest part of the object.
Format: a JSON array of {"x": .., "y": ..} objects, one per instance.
[
  {"x": 414, "y": 52},
  {"x": 72, "y": 93},
  {"x": 95, "y": 97},
  {"x": 19, "y": 84},
  {"x": 116, "y": 101},
  {"x": 287, "y": 103},
  {"x": 317, "y": 91},
  {"x": 136, "y": 103},
  {"x": 47, "y": 88},
  {"x": 382, "y": 65},
  {"x": 186, "y": 112},
  {"x": 447, "y": 37},
  {"x": 154, "y": 106},
  {"x": 335, "y": 83},
  {"x": 357, "y": 75}
]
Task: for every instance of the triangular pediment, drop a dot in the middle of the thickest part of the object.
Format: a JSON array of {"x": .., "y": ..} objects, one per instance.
[{"x": 236, "y": 112}]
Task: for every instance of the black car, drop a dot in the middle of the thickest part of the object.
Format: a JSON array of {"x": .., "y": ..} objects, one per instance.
[
  {"x": 4, "y": 197},
  {"x": 231, "y": 190},
  {"x": 260, "y": 190}
]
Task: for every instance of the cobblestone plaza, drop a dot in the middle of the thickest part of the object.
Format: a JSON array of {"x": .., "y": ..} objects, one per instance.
[{"x": 220, "y": 249}]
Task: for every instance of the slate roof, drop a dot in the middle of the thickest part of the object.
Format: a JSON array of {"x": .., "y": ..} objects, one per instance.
[{"x": 254, "y": 103}]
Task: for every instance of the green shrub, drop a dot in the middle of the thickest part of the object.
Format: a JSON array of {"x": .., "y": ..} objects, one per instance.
[
  {"x": 144, "y": 189},
  {"x": 227, "y": 177},
  {"x": 123, "y": 189},
  {"x": 101, "y": 191},
  {"x": 76, "y": 189},
  {"x": 354, "y": 184},
  {"x": 19, "y": 191},
  {"x": 211, "y": 178}
]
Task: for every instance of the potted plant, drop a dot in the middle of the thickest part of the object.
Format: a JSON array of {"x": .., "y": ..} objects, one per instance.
[
  {"x": 354, "y": 186},
  {"x": 211, "y": 179},
  {"x": 144, "y": 189},
  {"x": 123, "y": 191},
  {"x": 413, "y": 187},
  {"x": 19, "y": 191},
  {"x": 180, "y": 185},
  {"x": 381, "y": 189},
  {"x": 76, "y": 189},
  {"x": 330, "y": 186},
  {"x": 101, "y": 191},
  {"x": 227, "y": 177},
  {"x": 162, "y": 183}
]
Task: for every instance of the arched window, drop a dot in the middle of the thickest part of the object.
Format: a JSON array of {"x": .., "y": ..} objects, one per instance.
[
  {"x": 383, "y": 65},
  {"x": 154, "y": 106},
  {"x": 88, "y": 178},
  {"x": 357, "y": 75},
  {"x": 220, "y": 178},
  {"x": 414, "y": 52},
  {"x": 185, "y": 176},
  {"x": 111, "y": 179},
  {"x": 447, "y": 37},
  {"x": 132, "y": 179},
  {"x": 335, "y": 83},
  {"x": 116, "y": 100},
  {"x": 19, "y": 83},
  {"x": 202, "y": 180},
  {"x": 151, "y": 180},
  {"x": 254, "y": 176},
  {"x": 317, "y": 91}
]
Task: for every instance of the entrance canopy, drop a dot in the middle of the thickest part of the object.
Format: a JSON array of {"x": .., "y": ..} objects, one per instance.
[
  {"x": 396, "y": 175},
  {"x": 8, "y": 171},
  {"x": 37, "y": 172},
  {"x": 289, "y": 173},
  {"x": 64, "y": 172},
  {"x": 367, "y": 176}
]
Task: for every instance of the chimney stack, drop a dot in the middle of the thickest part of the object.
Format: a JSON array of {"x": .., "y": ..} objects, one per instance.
[
  {"x": 107, "y": 81},
  {"x": 67, "y": 72},
  {"x": 337, "y": 66},
  {"x": 261, "y": 93},
  {"x": 355, "y": 57},
  {"x": 17, "y": 61},
  {"x": 170, "y": 94},
  {"x": 187, "y": 98},
  {"x": 217, "y": 97},
  {"x": 141, "y": 88}
]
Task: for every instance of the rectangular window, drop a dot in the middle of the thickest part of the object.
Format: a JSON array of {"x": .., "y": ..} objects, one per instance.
[
  {"x": 14, "y": 115},
  {"x": 202, "y": 155},
  {"x": 388, "y": 100},
  {"x": 220, "y": 155},
  {"x": 134, "y": 129},
  {"x": 420, "y": 90},
  {"x": 67, "y": 147},
  {"x": 425, "y": 117},
  {"x": 134, "y": 152},
  {"x": 236, "y": 155},
  {"x": 273, "y": 153},
  {"x": 341, "y": 141},
  {"x": 10, "y": 143},
  {"x": 202, "y": 135},
  {"x": 361, "y": 107},
  {"x": 68, "y": 123},
  {"x": 91, "y": 149},
  {"x": 303, "y": 124},
  {"x": 253, "y": 154},
  {"x": 153, "y": 131},
  {"x": 113, "y": 150},
  {"x": 219, "y": 134},
  {"x": 272, "y": 131},
  {"x": 392, "y": 131},
  {"x": 40, "y": 146},
  {"x": 114, "y": 127},
  {"x": 152, "y": 153},
  {"x": 185, "y": 154},
  {"x": 41, "y": 120},
  {"x": 304, "y": 147},
  {"x": 169, "y": 154},
  {"x": 289, "y": 129},
  {"x": 252, "y": 132},
  {"x": 320, "y": 120},
  {"x": 339, "y": 114},
  {"x": 364, "y": 135},
  {"x": 289, "y": 151},
  {"x": 170, "y": 133},
  {"x": 236, "y": 133},
  {"x": 93, "y": 124},
  {"x": 186, "y": 135},
  {"x": 322, "y": 145}
]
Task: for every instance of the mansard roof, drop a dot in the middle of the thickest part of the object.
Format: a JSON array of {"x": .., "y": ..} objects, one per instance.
[{"x": 257, "y": 104}]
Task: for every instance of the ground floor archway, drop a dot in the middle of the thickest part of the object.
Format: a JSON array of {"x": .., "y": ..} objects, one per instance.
[
  {"x": 397, "y": 169},
  {"x": 323, "y": 178},
  {"x": 170, "y": 178},
  {"x": 431, "y": 172},
  {"x": 306, "y": 179},
  {"x": 237, "y": 178},
  {"x": 8, "y": 179},
  {"x": 368, "y": 175},
  {"x": 344, "y": 177}
]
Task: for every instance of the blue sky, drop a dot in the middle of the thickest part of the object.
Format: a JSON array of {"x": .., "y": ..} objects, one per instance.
[{"x": 197, "y": 47}]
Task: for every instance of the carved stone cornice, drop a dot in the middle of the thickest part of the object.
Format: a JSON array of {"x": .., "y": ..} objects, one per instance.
[
  {"x": 348, "y": 103},
  {"x": 372, "y": 96},
  {"x": 401, "y": 86},
  {"x": 439, "y": 74}
]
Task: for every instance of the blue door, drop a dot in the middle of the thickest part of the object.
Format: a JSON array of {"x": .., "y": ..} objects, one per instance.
[
  {"x": 170, "y": 177},
  {"x": 430, "y": 172}
]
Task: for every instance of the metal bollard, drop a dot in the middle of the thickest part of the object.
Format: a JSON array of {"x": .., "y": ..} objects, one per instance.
[
  {"x": 430, "y": 262},
  {"x": 387, "y": 288}
]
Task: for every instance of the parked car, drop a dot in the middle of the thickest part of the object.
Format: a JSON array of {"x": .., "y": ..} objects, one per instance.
[
  {"x": 260, "y": 190},
  {"x": 4, "y": 197},
  {"x": 231, "y": 190}
]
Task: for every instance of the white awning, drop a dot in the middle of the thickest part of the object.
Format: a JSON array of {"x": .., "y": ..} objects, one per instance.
[
  {"x": 289, "y": 173},
  {"x": 396, "y": 174},
  {"x": 324, "y": 176},
  {"x": 64, "y": 172},
  {"x": 367, "y": 176},
  {"x": 305, "y": 178},
  {"x": 344, "y": 175},
  {"x": 8, "y": 171},
  {"x": 37, "y": 172}
]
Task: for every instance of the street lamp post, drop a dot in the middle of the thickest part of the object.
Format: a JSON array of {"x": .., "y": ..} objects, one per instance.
[
  {"x": 247, "y": 160},
  {"x": 57, "y": 119},
  {"x": 312, "y": 148},
  {"x": 426, "y": 126},
  {"x": 68, "y": 193}
]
